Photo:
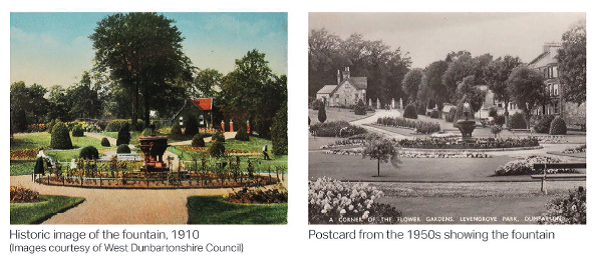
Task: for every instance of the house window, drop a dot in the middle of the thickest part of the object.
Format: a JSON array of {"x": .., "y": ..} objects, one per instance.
[
  {"x": 555, "y": 89},
  {"x": 555, "y": 71},
  {"x": 556, "y": 108}
]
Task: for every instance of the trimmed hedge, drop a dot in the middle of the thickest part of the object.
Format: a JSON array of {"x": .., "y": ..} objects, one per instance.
[
  {"x": 198, "y": 141},
  {"x": 217, "y": 149},
  {"x": 410, "y": 111},
  {"x": 558, "y": 126},
  {"x": 116, "y": 124},
  {"x": 77, "y": 131},
  {"x": 517, "y": 121},
  {"x": 543, "y": 126},
  {"x": 242, "y": 134},
  {"x": 219, "y": 136},
  {"x": 434, "y": 114},
  {"x": 360, "y": 108},
  {"x": 60, "y": 138},
  {"x": 89, "y": 152},
  {"x": 420, "y": 126},
  {"x": 334, "y": 129},
  {"x": 124, "y": 136},
  {"x": 123, "y": 148},
  {"x": 104, "y": 142},
  {"x": 175, "y": 130}
]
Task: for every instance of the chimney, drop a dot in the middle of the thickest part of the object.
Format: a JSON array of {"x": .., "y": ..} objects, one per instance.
[
  {"x": 346, "y": 73},
  {"x": 338, "y": 77}
]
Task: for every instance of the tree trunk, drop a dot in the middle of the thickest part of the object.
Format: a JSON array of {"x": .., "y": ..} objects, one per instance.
[
  {"x": 134, "y": 113},
  {"x": 506, "y": 114},
  {"x": 377, "y": 167}
]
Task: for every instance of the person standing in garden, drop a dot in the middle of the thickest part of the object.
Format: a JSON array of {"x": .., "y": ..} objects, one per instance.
[
  {"x": 265, "y": 152},
  {"x": 39, "y": 164}
]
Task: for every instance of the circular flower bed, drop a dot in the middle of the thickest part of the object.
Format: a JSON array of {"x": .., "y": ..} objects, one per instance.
[
  {"x": 23, "y": 195},
  {"x": 416, "y": 154},
  {"x": 457, "y": 143}
]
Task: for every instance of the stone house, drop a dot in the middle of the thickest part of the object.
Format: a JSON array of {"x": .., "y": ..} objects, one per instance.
[{"x": 348, "y": 91}]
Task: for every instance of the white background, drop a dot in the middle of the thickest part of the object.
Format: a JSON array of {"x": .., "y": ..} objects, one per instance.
[{"x": 289, "y": 244}]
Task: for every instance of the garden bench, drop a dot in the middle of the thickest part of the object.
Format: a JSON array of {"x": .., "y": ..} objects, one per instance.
[
  {"x": 126, "y": 156},
  {"x": 563, "y": 176},
  {"x": 526, "y": 130}
]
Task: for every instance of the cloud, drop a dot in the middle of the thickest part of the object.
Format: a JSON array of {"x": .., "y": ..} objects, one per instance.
[{"x": 21, "y": 36}]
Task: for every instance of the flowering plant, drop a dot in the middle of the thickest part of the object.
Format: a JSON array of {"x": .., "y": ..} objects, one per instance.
[
  {"x": 21, "y": 194},
  {"x": 333, "y": 201},
  {"x": 525, "y": 166},
  {"x": 571, "y": 209}
]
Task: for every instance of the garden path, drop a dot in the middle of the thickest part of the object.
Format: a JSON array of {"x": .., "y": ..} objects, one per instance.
[
  {"x": 365, "y": 122},
  {"x": 121, "y": 206},
  {"x": 228, "y": 135}
]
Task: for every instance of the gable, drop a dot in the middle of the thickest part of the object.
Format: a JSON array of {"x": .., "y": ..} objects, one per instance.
[{"x": 204, "y": 104}]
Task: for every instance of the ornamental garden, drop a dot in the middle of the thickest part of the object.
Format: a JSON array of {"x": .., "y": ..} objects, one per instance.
[{"x": 188, "y": 149}]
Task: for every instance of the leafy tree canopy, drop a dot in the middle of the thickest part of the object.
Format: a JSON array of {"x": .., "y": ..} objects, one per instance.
[{"x": 572, "y": 63}]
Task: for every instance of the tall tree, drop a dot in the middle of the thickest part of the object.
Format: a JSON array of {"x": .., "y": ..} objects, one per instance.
[
  {"x": 252, "y": 92},
  {"x": 470, "y": 93},
  {"x": 496, "y": 76},
  {"x": 324, "y": 59},
  {"x": 143, "y": 52},
  {"x": 572, "y": 63},
  {"x": 85, "y": 99},
  {"x": 411, "y": 84},
  {"x": 206, "y": 83},
  {"x": 433, "y": 80},
  {"x": 457, "y": 70},
  {"x": 27, "y": 105},
  {"x": 526, "y": 87}
]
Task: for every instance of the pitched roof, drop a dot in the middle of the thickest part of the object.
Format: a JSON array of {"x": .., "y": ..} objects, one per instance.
[
  {"x": 359, "y": 82},
  {"x": 204, "y": 104},
  {"x": 327, "y": 89}
]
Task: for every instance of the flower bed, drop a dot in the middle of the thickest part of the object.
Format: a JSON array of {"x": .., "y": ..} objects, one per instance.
[
  {"x": 333, "y": 201},
  {"x": 456, "y": 143},
  {"x": 278, "y": 194},
  {"x": 24, "y": 154},
  {"x": 23, "y": 195},
  {"x": 419, "y": 126},
  {"x": 416, "y": 154},
  {"x": 580, "y": 149},
  {"x": 525, "y": 166},
  {"x": 551, "y": 139},
  {"x": 336, "y": 129}
]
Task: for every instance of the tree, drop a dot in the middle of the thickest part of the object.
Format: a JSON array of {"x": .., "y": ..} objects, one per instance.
[
  {"x": 143, "y": 53},
  {"x": 526, "y": 87},
  {"x": 84, "y": 98},
  {"x": 252, "y": 92},
  {"x": 470, "y": 93},
  {"x": 496, "y": 76},
  {"x": 322, "y": 115},
  {"x": 433, "y": 81},
  {"x": 324, "y": 58},
  {"x": 279, "y": 135},
  {"x": 457, "y": 70},
  {"x": 382, "y": 150},
  {"x": 411, "y": 84},
  {"x": 572, "y": 63},
  {"x": 205, "y": 83},
  {"x": 27, "y": 105}
]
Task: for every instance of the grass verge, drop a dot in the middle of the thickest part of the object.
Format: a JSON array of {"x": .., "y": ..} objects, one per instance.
[
  {"x": 215, "y": 210},
  {"x": 38, "y": 212}
]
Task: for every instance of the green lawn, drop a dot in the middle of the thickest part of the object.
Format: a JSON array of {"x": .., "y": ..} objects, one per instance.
[
  {"x": 215, "y": 210},
  {"x": 21, "y": 168},
  {"x": 336, "y": 114},
  {"x": 35, "y": 213}
]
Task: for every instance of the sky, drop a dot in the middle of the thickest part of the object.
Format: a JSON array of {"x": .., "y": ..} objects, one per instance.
[
  {"x": 54, "y": 48},
  {"x": 428, "y": 37}
]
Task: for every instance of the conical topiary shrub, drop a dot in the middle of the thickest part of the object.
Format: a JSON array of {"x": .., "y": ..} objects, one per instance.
[
  {"x": 242, "y": 134},
  {"x": 558, "y": 126},
  {"x": 123, "y": 137},
  {"x": 89, "y": 152},
  {"x": 60, "y": 138},
  {"x": 410, "y": 111},
  {"x": 104, "y": 142},
  {"x": 198, "y": 140}
]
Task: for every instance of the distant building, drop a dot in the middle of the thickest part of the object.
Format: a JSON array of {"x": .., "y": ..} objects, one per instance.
[
  {"x": 347, "y": 92},
  {"x": 547, "y": 64},
  {"x": 201, "y": 108}
]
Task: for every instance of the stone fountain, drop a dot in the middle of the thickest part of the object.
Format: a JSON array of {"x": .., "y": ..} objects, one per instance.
[
  {"x": 466, "y": 126},
  {"x": 153, "y": 148}
]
